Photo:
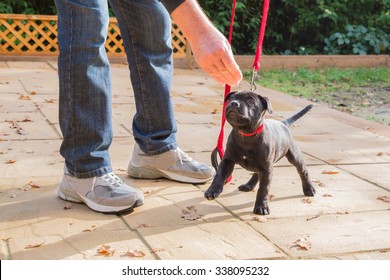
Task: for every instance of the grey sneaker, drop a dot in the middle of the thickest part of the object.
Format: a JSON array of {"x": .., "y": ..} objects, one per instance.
[
  {"x": 105, "y": 194},
  {"x": 174, "y": 164}
]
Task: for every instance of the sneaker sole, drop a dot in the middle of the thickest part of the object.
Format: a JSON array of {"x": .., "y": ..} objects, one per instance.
[
  {"x": 154, "y": 173},
  {"x": 97, "y": 207}
]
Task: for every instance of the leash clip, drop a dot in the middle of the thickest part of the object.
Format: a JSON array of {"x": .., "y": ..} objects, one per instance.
[{"x": 253, "y": 79}]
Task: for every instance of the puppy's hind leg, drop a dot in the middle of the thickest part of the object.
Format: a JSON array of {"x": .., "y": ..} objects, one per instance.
[
  {"x": 295, "y": 157},
  {"x": 251, "y": 184}
]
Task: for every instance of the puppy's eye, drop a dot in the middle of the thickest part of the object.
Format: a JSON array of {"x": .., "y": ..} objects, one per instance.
[{"x": 251, "y": 102}]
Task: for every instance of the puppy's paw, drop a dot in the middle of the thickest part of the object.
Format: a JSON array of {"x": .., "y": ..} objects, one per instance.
[
  {"x": 309, "y": 190},
  {"x": 261, "y": 210},
  {"x": 246, "y": 188},
  {"x": 212, "y": 193}
]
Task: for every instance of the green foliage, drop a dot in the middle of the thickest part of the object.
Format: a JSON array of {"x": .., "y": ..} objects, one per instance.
[
  {"x": 293, "y": 27},
  {"x": 358, "y": 40}
]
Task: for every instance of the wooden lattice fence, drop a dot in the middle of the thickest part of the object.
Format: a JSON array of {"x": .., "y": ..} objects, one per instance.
[{"x": 36, "y": 35}]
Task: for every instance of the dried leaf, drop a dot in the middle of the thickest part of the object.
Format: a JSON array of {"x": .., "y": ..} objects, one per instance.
[
  {"x": 144, "y": 226},
  {"x": 384, "y": 198},
  {"x": 307, "y": 200},
  {"x": 380, "y": 154},
  {"x": 302, "y": 244},
  {"x": 214, "y": 111},
  {"x": 33, "y": 92},
  {"x": 345, "y": 212},
  {"x": 68, "y": 206},
  {"x": 327, "y": 195},
  {"x": 260, "y": 219},
  {"x": 10, "y": 161},
  {"x": 34, "y": 185},
  {"x": 50, "y": 100},
  {"x": 270, "y": 197},
  {"x": 322, "y": 185},
  {"x": 26, "y": 119},
  {"x": 90, "y": 229},
  {"x": 156, "y": 250},
  {"x": 330, "y": 172},
  {"x": 191, "y": 213},
  {"x": 315, "y": 216},
  {"x": 31, "y": 246},
  {"x": 135, "y": 254},
  {"x": 24, "y": 97},
  {"x": 106, "y": 250}
]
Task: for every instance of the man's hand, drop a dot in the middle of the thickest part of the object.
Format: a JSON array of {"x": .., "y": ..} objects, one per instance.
[{"x": 211, "y": 49}]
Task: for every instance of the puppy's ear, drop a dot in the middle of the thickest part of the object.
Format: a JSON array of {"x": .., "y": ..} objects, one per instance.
[
  {"x": 229, "y": 95},
  {"x": 266, "y": 103}
]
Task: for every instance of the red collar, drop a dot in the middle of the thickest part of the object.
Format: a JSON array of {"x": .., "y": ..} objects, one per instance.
[{"x": 259, "y": 130}]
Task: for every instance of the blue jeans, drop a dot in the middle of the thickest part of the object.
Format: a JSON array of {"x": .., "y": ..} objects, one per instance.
[{"x": 85, "y": 82}]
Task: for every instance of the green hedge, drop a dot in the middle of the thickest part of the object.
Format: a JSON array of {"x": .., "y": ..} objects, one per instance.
[{"x": 293, "y": 27}]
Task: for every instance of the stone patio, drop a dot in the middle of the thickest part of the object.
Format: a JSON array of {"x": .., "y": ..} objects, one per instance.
[{"x": 349, "y": 218}]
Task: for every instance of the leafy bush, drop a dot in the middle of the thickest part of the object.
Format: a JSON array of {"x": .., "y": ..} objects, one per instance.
[
  {"x": 358, "y": 40},
  {"x": 293, "y": 27}
]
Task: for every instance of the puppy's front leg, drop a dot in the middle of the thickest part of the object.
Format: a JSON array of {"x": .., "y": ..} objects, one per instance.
[
  {"x": 261, "y": 204},
  {"x": 225, "y": 169}
]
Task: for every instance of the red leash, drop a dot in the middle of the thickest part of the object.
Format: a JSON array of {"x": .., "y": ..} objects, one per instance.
[{"x": 256, "y": 66}]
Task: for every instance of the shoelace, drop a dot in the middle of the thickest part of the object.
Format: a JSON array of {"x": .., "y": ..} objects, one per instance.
[
  {"x": 112, "y": 179},
  {"x": 183, "y": 156}
]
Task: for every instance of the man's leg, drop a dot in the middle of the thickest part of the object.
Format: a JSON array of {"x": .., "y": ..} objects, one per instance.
[
  {"x": 146, "y": 31},
  {"x": 85, "y": 109}
]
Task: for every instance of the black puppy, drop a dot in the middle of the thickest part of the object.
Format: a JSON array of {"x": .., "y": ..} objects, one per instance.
[{"x": 256, "y": 144}]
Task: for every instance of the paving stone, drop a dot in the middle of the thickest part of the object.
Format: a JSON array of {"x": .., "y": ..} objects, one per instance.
[
  {"x": 223, "y": 241},
  {"x": 345, "y": 220},
  {"x": 330, "y": 234},
  {"x": 31, "y": 159},
  {"x": 165, "y": 202},
  {"x": 338, "y": 193},
  {"x": 31, "y": 125},
  {"x": 76, "y": 233},
  {"x": 11, "y": 103},
  {"x": 370, "y": 173}
]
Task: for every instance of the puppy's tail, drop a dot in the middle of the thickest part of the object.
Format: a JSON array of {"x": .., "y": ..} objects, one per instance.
[{"x": 297, "y": 116}]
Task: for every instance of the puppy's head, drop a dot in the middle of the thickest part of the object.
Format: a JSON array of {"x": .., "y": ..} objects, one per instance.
[{"x": 245, "y": 110}]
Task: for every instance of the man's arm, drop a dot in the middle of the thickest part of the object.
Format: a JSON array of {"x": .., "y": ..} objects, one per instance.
[{"x": 211, "y": 49}]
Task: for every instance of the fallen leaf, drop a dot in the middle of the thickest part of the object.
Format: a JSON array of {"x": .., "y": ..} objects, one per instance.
[
  {"x": 330, "y": 172},
  {"x": 380, "y": 154},
  {"x": 315, "y": 216},
  {"x": 106, "y": 250},
  {"x": 90, "y": 229},
  {"x": 33, "y": 185},
  {"x": 156, "y": 250},
  {"x": 384, "y": 198},
  {"x": 270, "y": 197},
  {"x": 306, "y": 200},
  {"x": 144, "y": 226},
  {"x": 302, "y": 244},
  {"x": 33, "y": 92},
  {"x": 322, "y": 185},
  {"x": 148, "y": 192},
  {"x": 26, "y": 119},
  {"x": 214, "y": 111},
  {"x": 50, "y": 100},
  {"x": 345, "y": 212},
  {"x": 10, "y": 161},
  {"x": 191, "y": 213},
  {"x": 24, "y": 97},
  {"x": 327, "y": 195},
  {"x": 135, "y": 254},
  {"x": 68, "y": 206},
  {"x": 31, "y": 246},
  {"x": 259, "y": 219}
]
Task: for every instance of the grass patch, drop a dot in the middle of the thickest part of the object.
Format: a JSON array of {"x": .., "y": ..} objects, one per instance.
[{"x": 358, "y": 91}]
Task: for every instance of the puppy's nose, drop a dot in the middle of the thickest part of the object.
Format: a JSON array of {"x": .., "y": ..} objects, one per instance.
[{"x": 235, "y": 103}]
